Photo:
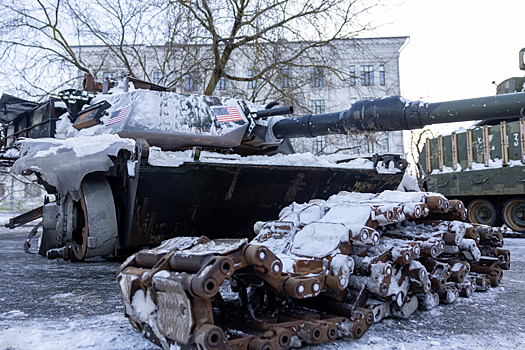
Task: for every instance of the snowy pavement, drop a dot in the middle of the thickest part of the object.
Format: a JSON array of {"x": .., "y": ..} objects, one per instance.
[{"x": 46, "y": 304}]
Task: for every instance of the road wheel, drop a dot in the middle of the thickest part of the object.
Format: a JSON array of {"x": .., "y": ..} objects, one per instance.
[
  {"x": 94, "y": 227},
  {"x": 481, "y": 211},
  {"x": 514, "y": 214}
]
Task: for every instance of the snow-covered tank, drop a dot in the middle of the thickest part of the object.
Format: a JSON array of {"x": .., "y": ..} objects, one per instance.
[
  {"x": 190, "y": 178},
  {"x": 131, "y": 169}
]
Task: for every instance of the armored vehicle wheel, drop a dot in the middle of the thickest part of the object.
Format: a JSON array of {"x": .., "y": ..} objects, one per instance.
[
  {"x": 481, "y": 211},
  {"x": 514, "y": 214},
  {"x": 94, "y": 232}
]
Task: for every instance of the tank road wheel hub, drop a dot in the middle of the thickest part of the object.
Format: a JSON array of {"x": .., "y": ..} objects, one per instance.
[
  {"x": 94, "y": 224},
  {"x": 481, "y": 211},
  {"x": 76, "y": 250},
  {"x": 514, "y": 214}
]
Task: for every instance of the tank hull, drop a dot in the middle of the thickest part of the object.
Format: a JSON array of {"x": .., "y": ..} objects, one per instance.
[{"x": 225, "y": 201}]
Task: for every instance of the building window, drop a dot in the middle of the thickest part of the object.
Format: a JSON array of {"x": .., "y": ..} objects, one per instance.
[
  {"x": 253, "y": 84},
  {"x": 190, "y": 82},
  {"x": 286, "y": 77},
  {"x": 352, "y": 76},
  {"x": 317, "y": 77},
  {"x": 382, "y": 75},
  {"x": 353, "y": 100},
  {"x": 223, "y": 84},
  {"x": 109, "y": 75},
  {"x": 157, "y": 77},
  {"x": 31, "y": 190},
  {"x": 318, "y": 106},
  {"x": 367, "y": 75},
  {"x": 320, "y": 144}
]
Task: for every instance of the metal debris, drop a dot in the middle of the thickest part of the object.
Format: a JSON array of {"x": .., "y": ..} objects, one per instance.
[{"x": 324, "y": 270}]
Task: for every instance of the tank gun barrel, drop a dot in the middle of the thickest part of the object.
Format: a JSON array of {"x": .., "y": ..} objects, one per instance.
[
  {"x": 263, "y": 113},
  {"x": 396, "y": 113}
]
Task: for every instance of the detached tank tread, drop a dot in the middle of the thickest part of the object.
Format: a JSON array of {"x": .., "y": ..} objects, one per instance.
[{"x": 285, "y": 290}]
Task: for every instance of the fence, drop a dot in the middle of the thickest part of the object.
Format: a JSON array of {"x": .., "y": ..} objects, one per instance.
[{"x": 19, "y": 205}]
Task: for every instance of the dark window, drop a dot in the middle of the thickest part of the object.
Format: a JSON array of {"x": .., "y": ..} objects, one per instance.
[
  {"x": 382, "y": 75},
  {"x": 32, "y": 190},
  {"x": 253, "y": 84},
  {"x": 317, "y": 77},
  {"x": 190, "y": 82},
  {"x": 286, "y": 77},
  {"x": 352, "y": 76},
  {"x": 318, "y": 106},
  {"x": 367, "y": 75},
  {"x": 224, "y": 84},
  {"x": 157, "y": 77},
  {"x": 320, "y": 144}
]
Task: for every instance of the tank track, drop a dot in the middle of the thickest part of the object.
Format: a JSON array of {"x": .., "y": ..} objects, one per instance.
[{"x": 325, "y": 270}]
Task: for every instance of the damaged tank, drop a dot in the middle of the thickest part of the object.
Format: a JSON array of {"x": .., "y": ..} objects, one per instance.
[
  {"x": 210, "y": 187},
  {"x": 132, "y": 169}
]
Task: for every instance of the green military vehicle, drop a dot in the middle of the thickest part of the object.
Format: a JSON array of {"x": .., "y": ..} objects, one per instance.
[{"x": 483, "y": 166}]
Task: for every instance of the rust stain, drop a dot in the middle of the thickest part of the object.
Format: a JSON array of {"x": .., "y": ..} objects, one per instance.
[
  {"x": 143, "y": 215},
  {"x": 296, "y": 186},
  {"x": 150, "y": 225},
  {"x": 229, "y": 194}
]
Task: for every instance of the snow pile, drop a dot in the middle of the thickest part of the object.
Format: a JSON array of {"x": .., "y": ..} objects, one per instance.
[
  {"x": 493, "y": 164},
  {"x": 409, "y": 184},
  {"x": 157, "y": 157},
  {"x": 97, "y": 333},
  {"x": 64, "y": 163},
  {"x": 82, "y": 146}
]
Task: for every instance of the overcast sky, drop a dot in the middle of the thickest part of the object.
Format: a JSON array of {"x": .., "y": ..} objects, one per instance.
[{"x": 457, "y": 48}]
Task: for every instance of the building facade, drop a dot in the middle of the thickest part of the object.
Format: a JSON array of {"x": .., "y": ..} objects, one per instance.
[
  {"x": 331, "y": 79},
  {"x": 19, "y": 193}
]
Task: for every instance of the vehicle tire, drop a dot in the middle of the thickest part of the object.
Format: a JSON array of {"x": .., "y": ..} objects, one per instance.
[
  {"x": 481, "y": 211},
  {"x": 514, "y": 214}
]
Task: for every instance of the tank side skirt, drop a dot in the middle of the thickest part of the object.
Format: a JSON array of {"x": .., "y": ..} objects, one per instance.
[{"x": 222, "y": 201}]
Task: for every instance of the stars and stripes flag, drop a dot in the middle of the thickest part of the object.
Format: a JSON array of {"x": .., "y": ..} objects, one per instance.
[
  {"x": 117, "y": 116},
  {"x": 226, "y": 114}
]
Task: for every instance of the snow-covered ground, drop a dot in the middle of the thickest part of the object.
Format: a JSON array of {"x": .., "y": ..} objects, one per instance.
[{"x": 47, "y": 304}]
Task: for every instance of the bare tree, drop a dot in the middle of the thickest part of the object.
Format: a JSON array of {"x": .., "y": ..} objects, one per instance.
[
  {"x": 19, "y": 192},
  {"x": 49, "y": 44},
  {"x": 42, "y": 41},
  {"x": 417, "y": 142}
]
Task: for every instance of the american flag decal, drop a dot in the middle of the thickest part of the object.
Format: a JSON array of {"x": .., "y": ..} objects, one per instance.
[
  {"x": 117, "y": 116},
  {"x": 226, "y": 114}
]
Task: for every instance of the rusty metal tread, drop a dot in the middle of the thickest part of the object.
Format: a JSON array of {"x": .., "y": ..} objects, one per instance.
[{"x": 282, "y": 290}]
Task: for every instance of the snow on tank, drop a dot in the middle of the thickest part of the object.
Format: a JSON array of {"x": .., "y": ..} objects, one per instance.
[{"x": 173, "y": 121}]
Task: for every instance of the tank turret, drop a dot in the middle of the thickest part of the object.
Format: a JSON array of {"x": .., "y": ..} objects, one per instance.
[{"x": 514, "y": 84}]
